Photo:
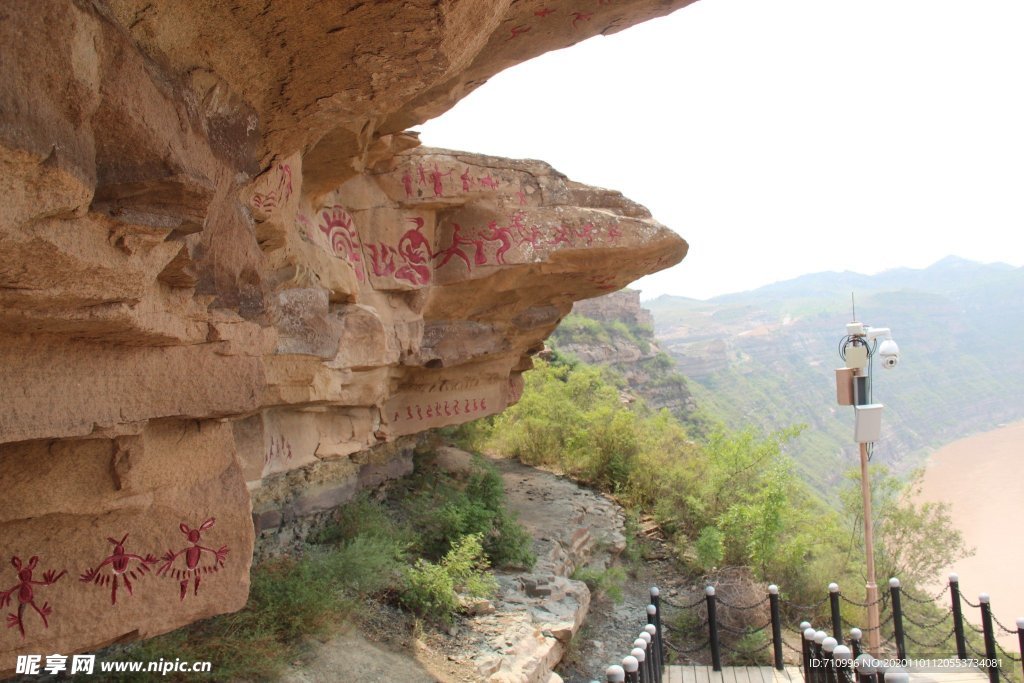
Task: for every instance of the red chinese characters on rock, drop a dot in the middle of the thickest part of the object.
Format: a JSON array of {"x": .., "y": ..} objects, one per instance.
[
  {"x": 192, "y": 555},
  {"x": 440, "y": 408},
  {"x": 337, "y": 226},
  {"x": 26, "y": 591},
  {"x": 121, "y": 569}
]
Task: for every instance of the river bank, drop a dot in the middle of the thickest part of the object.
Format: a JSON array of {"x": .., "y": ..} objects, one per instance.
[{"x": 980, "y": 477}]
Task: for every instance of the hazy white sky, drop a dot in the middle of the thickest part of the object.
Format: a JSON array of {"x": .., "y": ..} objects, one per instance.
[{"x": 782, "y": 137}]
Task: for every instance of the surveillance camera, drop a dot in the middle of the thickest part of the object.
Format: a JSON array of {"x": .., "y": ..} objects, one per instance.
[{"x": 889, "y": 352}]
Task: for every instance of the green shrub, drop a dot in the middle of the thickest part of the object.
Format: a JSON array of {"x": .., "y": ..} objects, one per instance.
[
  {"x": 710, "y": 548},
  {"x": 607, "y": 582},
  {"x": 433, "y": 589}
]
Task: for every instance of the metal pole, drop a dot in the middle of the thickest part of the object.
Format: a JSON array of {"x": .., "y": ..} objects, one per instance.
[
  {"x": 828, "y": 646},
  {"x": 990, "y": 638},
  {"x": 818, "y": 657},
  {"x": 773, "y": 604},
  {"x": 1020, "y": 639},
  {"x": 958, "y": 616},
  {"x": 716, "y": 653},
  {"x": 855, "y": 636},
  {"x": 648, "y": 640},
  {"x": 644, "y": 671},
  {"x": 897, "y": 617},
  {"x": 808, "y": 641},
  {"x": 652, "y": 620},
  {"x": 656, "y": 601},
  {"x": 837, "y": 618},
  {"x": 874, "y": 635},
  {"x": 652, "y": 632},
  {"x": 632, "y": 668},
  {"x": 843, "y": 660}
]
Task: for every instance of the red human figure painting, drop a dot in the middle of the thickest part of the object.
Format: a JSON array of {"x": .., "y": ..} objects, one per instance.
[
  {"x": 533, "y": 236},
  {"x": 121, "y": 569},
  {"x": 455, "y": 248},
  {"x": 488, "y": 181},
  {"x": 503, "y": 236},
  {"x": 414, "y": 248},
  {"x": 466, "y": 179},
  {"x": 192, "y": 555},
  {"x": 580, "y": 16},
  {"x": 563, "y": 235},
  {"x": 26, "y": 591},
  {"x": 437, "y": 178},
  {"x": 407, "y": 183},
  {"x": 518, "y": 31},
  {"x": 587, "y": 233},
  {"x": 543, "y": 12},
  {"x": 614, "y": 234},
  {"x": 422, "y": 173},
  {"x": 336, "y": 224}
]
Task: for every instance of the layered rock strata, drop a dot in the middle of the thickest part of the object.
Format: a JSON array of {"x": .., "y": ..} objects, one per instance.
[{"x": 227, "y": 274}]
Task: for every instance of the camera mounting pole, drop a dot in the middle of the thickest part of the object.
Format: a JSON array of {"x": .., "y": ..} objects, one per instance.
[{"x": 853, "y": 387}]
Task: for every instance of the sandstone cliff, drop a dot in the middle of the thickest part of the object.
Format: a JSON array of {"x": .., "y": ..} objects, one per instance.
[{"x": 230, "y": 282}]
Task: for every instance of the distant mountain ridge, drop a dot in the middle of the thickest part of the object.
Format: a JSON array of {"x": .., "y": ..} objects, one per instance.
[{"x": 767, "y": 356}]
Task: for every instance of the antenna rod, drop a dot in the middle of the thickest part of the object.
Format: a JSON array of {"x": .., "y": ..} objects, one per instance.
[{"x": 853, "y": 306}]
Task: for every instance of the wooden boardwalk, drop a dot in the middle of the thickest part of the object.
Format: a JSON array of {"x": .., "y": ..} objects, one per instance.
[
  {"x": 732, "y": 674},
  {"x": 792, "y": 674}
]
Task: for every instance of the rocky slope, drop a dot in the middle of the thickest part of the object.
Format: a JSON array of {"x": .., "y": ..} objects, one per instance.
[
  {"x": 616, "y": 331},
  {"x": 231, "y": 284}
]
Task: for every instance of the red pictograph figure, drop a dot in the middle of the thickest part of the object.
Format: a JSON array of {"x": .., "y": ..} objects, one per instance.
[
  {"x": 518, "y": 31},
  {"x": 467, "y": 180},
  {"x": 193, "y": 556},
  {"x": 120, "y": 567},
  {"x": 455, "y": 248},
  {"x": 407, "y": 183},
  {"x": 336, "y": 225},
  {"x": 543, "y": 12},
  {"x": 503, "y": 235},
  {"x": 580, "y": 16},
  {"x": 587, "y": 233},
  {"x": 563, "y": 235},
  {"x": 437, "y": 178},
  {"x": 422, "y": 172},
  {"x": 483, "y": 404},
  {"x": 488, "y": 181},
  {"x": 27, "y": 594},
  {"x": 282, "y": 191},
  {"x": 382, "y": 259},
  {"x": 613, "y": 234},
  {"x": 414, "y": 247},
  {"x": 522, "y": 197},
  {"x": 533, "y": 236},
  {"x": 447, "y": 410}
]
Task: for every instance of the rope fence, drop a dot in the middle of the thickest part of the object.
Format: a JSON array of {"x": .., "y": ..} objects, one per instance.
[{"x": 832, "y": 655}]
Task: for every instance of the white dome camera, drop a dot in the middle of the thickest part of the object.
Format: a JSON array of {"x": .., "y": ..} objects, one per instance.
[{"x": 889, "y": 352}]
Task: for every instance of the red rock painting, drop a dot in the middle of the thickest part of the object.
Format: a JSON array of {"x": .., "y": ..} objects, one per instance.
[
  {"x": 518, "y": 31},
  {"x": 337, "y": 225},
  {"x": 281, "y": 192},
  {"x": 124, "y": 567},
  {"x": 192, "y": 556},
  {"x": 580, "y": 16},
  {"x": 26, "y": 588},
  {"x": 543, "y": 12},
  {"x": 279, "y": 450},
  {"x": 409, "y": 261},
  {"x": 427, "y": 410}
]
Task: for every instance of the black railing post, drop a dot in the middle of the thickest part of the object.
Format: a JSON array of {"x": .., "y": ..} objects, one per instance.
[
  {"x": 1020, "y": 639},
  {"x": 818, "y": 657},
  {"x": 648, "y": 645},
  {"x": 716, "y": 653},
  {"x": 864, "y": 666},
  {"x": 958, "y": 616},
  {"x": 990, "y": 636},
  {"x": 837, "y": 618},
  {"x": 639, "y": 653},
  {"x": 632, "y": 668},
  {"x": 897, "y": 618},
  {"x": 615, "y": 674},
  {"x": 828, "y": 646},
  {"x": 773, "y": 605},
  {"x": 659, "y": 640},
  {"x": 655, "y": 632},
  {"x": 855, "y": 635},
  {"x": 652, "y": 633},
  {"x": 843, "y": 660},
  {"x": 806, "y": 640}
]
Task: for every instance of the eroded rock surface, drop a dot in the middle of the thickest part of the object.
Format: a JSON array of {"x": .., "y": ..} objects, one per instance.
[{"x": 230, "y": 283}]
